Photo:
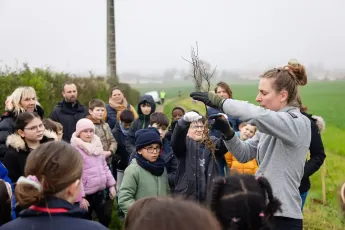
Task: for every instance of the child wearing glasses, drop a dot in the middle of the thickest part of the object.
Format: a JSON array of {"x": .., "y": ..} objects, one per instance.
[
  {"x": 196, "y": 153},
  {"x": 146, "y": 175},
  {"x": 29, "y": 134}
]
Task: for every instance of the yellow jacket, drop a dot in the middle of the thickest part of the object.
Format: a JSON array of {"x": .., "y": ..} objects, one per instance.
[{"x": 248, "y": 168}]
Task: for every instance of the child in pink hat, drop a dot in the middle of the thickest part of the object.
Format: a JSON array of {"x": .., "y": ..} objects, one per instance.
[{"x": 96, "y": 174}]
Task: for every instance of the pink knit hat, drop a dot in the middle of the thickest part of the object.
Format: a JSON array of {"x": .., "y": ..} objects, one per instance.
[{"x": 83, "y": 124}]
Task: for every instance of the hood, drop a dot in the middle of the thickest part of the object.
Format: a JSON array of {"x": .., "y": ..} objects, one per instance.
[
  {"x": 150, "y": 100},
  {"x": 93, "y": 148},
  {"x": 320, "y": 122},
  {"x": 61, "y": 208},
  {"x": 17, "y": 142}
]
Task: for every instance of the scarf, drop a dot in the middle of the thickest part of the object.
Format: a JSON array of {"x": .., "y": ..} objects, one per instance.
[
  {"x": 156, "y": 168},
  {"x": 118, "y": 107},
  {"x": 123, "y": 130}
]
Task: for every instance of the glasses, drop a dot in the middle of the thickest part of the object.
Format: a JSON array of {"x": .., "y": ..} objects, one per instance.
[
  {"x": 35, "y": 128},
  {"x": 198, "y": 127},
  {"x": 151, "y": 149}
]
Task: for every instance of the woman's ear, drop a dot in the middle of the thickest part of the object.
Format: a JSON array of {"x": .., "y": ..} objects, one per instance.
[{"x": 21, "y": 133}]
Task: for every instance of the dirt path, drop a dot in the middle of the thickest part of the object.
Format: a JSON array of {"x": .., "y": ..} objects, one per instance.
[{"x": 160, "y": 108}]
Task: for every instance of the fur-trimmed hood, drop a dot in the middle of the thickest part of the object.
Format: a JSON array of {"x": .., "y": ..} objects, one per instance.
[
  {"x": 17, "y": 142},
  {"x": 320, "y": 122},
  {"x": 93, "y": 148}
]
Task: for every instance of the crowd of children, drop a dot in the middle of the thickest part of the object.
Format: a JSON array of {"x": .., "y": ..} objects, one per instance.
[{"x": 159, "y": 174}]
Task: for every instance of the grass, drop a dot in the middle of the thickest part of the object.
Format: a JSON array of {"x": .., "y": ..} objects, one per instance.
[{"x": 324, "y": 99}]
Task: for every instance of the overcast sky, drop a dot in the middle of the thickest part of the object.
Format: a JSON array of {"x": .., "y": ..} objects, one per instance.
[{"x": 152, "y": 35}]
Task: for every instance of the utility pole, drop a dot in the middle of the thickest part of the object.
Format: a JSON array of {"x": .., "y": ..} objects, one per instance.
[{"x": 111, "y": 42}]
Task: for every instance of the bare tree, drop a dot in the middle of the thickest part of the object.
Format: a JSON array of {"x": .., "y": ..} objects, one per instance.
[{"x": 200, "y": 73}]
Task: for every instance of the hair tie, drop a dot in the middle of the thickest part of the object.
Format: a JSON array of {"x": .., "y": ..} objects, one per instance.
[
  {"x": 261, "y": 214},
  {"x": 235, "y": 220},
  {"x": 32, "y": 180}
]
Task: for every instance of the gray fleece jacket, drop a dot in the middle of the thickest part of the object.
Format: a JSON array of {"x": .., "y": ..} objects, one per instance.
[{"x": 280, "y": 148}]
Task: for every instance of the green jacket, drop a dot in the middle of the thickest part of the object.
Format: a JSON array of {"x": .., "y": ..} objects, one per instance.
[{"x": 137, "y": 183}]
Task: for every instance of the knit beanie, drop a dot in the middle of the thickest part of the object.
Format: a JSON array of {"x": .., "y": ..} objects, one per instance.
[
  {"x": 146, "y": 137},
  {"x": 83, "y": 124}
]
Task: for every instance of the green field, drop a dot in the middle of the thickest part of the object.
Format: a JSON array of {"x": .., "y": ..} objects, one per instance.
[{"x": 324, "y": 99}]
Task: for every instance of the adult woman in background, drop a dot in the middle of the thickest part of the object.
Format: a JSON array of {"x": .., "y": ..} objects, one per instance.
[
  {"x": 282, "y": 142},
  {"x": 117, "y": 103},
  {"x": 224, "y": 91},
  {"x": 317, "y": 151},
  {"x": 22, "y": 99}
]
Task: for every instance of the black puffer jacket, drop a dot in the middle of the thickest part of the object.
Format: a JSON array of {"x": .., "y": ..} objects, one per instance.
[
  {"x": 317, "y": 151},
  {"x": 197, "y": 166},
  {"x": 18, "y": 151},
  {"x": 68, "y": 116},
  {"x": 141, "y": 123},
  {"x": 7, "y": 126}
]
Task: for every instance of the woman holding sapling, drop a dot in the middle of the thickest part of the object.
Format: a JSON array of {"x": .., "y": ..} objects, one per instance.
[{"x": 282, "y": 142}]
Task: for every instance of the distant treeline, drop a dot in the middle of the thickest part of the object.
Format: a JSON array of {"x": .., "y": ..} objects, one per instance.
[{"x": 48, "y": 86}]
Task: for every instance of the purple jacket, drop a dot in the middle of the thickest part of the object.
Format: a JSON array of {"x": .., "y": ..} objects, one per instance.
[{"x": 96, "y": 174}]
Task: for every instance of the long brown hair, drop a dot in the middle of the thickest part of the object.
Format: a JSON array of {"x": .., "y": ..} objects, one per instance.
[
  {"x": 225, "y": 86},
  {"x": 5, "y": 205}
]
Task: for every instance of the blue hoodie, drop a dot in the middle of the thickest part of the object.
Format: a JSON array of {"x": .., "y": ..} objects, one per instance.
[{"x": 4, "y": 176}]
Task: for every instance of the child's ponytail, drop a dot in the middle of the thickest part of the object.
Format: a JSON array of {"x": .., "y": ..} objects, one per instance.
[
  {"x": 28, "y": 191},
  {"x": 274, "y": 204}
]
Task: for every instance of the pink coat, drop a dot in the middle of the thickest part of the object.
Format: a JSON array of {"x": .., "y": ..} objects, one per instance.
[{"x": 96, "y": 174}]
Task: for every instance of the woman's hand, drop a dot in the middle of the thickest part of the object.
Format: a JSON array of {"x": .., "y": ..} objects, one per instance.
[
  {"x": 112, "y": 192},
  {"x": 210, "y": 99},
  {"x": 84, "y": 204},
  {"x": 223, "y": 125}
]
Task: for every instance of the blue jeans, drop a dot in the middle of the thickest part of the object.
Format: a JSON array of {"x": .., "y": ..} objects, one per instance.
[
  {"x": 303, "y": 197},
  {"x": 223, "y": 166}
]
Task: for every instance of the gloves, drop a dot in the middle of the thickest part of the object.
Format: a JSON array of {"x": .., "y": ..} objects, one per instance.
[
  {"x": 191, "y": 116},
  {"x": 210, "y": 99},
  {"x": 223, "y": 125}
]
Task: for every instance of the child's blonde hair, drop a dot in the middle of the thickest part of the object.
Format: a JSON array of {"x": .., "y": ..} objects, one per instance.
[{"x": 12, "y": 103}]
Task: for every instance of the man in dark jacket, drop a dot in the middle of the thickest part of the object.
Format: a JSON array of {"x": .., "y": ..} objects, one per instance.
[
  {"x": 146, "y": 107},
  {"x": 69, "y": 111}
]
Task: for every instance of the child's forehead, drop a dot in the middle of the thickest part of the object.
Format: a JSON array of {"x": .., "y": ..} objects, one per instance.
[
  {"x": 97, "y": 108},
  {"x": 197, "y": 123},
  {"x": 177, "y": 111},
  {"x": 249, "y": 126},
  {"x": 156, "y": 125},
  {"x": 145, "y": 103}
]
